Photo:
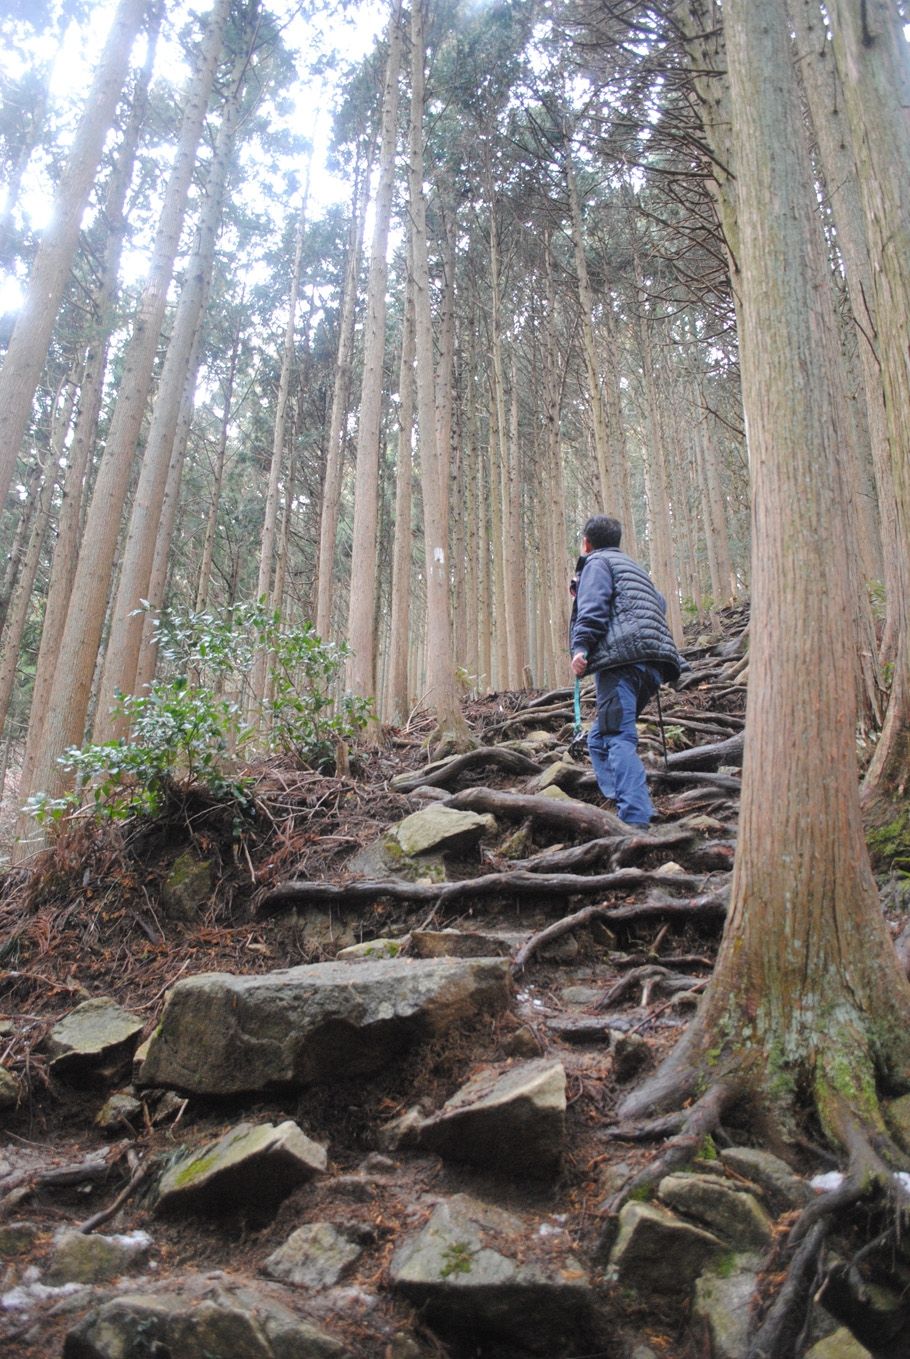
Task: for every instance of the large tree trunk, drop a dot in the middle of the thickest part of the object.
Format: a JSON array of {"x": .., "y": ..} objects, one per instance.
[
  {"x": 442, "y": 691},
  {"x": 398, "y": 702},
  {"x": 126, "y": 624},
  {"x": 362, "y": 600},
  {"x": 29, "y": 343},
  {"x": 874, "y": 68},
  {"x": 807, "y": 996},
  {"x": 69, "y": 696},
  {"x": 91, "y": 390},
  {"x": 341, "y": 395}
]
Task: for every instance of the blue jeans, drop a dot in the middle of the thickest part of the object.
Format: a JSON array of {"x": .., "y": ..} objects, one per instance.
[{"x": 613, "y": 739}]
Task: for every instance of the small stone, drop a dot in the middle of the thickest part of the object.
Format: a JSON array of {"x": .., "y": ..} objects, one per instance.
[
  {"x": 314, "y": 1256},
  {"x": 565, "y": 949},
  {"x": 16, "y": 1238},
  {"x": 561, "y": 774},
  {"x": 401, "y": 1130},
  {"x": 188, "y": 887},
  {"x": 522, "y": 1043},
  {"x": 557, "y": 794},
  {"x": 10, "y": 1090},
  {"x": 95, "y": 1259},
  {"x": 373, "y": 948},
  {"x": 657, "y": 1251},
  {"x": 670, "y": 869},
  {"x": 512, "y": 1121},
  {"x": 732, "y": 1214},
  {"x": 250, "y": 1166},
  {"x": 95, "y": 1041},
  {"x": 121, "y": 1113},
  {"x": 782, "y": 1187},
  {"x": 439, "y": 829},
  {"x": 840, "y": 1344}
]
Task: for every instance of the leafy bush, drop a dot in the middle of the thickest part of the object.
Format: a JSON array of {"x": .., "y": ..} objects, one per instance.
[{"x": 197, "y": 721}]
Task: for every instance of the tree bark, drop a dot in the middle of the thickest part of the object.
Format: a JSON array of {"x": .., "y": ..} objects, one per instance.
[
  {"x": 341, "y": 395},
  {"x": 126, "y": 625},
  {"x": 871, "y": 55},
  {"x": 361, "y": 677},
  {"x": 29, "y": 343},
  {"x": 807, "y": 996},
  {"x": 442, "y": 692},
  {"x": 69, "y": 694}
]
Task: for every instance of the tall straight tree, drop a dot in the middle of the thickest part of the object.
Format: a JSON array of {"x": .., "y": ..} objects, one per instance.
[
  {"x": 68, "y": 700},
  {"x": 70, "y": 517},
  {"x": 125, "y": 635},
  {"x": 341, "y": 395},
  {"x": 807, "y": 1001},
  {"x": 874, "y": 67},
  {"x": 362, "y": 600},
  {"x": 29, "y": 343},
  {"x": 451, "y": 728}
]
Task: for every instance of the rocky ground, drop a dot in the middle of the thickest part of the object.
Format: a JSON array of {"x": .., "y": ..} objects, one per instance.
[{"x": 340, "y": 1082}]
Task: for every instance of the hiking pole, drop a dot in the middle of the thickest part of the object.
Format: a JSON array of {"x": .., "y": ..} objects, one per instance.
[
  {"x": 663, "y": 735},
  {"x": 578, "y": 734}
]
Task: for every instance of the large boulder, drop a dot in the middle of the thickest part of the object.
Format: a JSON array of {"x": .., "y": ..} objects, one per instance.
[
  {"x": 511, "y": 1121},
  {"x": 480, "y": 1274},
  {"x": 252, "y": 1167},
  {"x": 200, "y": 1320},
  {"x": 222, "y": 1034},
  {"x": 95, "y": 1042}
]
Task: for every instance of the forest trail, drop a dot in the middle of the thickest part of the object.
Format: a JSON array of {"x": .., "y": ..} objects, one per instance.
[{"x": 387, "y": 1131}]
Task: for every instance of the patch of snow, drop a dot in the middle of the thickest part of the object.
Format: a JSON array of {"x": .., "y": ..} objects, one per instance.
[
  {"x": 23, "y": 1298},
  {"x": 832, "y": 1179}
]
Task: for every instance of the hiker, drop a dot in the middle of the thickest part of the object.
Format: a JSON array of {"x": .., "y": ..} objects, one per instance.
[{"x": 619, "y": 633}]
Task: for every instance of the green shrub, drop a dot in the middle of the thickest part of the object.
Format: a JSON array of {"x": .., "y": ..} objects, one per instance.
[{"x": 198, "y": 720}]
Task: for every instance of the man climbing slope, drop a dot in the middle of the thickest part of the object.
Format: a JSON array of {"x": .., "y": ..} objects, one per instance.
[{"x": 619, "y": 633}]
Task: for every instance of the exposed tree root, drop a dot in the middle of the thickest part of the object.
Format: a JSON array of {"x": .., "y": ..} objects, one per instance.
[
  {"x": 445, "y": 773},
  {"x": 618, "y": 850},
  {"x": 698, "y": 1122},
  {"x": 492, "y": 885},
  {"x": 572, "y": 818},
  {"x": 779, "y": 1334},
  {"x": 729, "y": 751}
]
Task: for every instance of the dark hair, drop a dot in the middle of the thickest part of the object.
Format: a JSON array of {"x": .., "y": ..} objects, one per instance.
[{"x": 602, "y": 531}]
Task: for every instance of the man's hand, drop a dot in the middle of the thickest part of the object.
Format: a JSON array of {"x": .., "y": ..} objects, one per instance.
[{"x": 579, "y": 663}]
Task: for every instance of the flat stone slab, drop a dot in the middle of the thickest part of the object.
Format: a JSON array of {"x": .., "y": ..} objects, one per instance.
[
  {"x": 94, "y": 1041},
  {"x": 438, "y": 830},
  {"x": 511, "y": 1121},
  {"x": 580, "y": 1030},
  {"x": 222, "y": 1034},
  {"x": 200, "y": 1320},
  {"x": 657, "y": 1252},
  {"x": 252, "y": 1166},
  {"x": 482, "y": 1274},
  {"x": 314, "y": 1256},
  {"x": 782, "y": 1187},
  {"x": 736, "y": 1216}
]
